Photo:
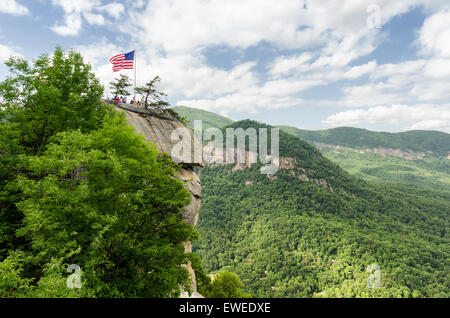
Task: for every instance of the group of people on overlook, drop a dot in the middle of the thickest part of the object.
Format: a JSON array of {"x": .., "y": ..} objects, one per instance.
[{"x": 134, "y": 101}]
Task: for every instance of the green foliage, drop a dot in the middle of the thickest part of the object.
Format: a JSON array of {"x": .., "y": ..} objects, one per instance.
[
  {"x": 185, "y": 121},
  {"x": 103, "y": 201},
  {"x": 120, "y": 86},
  {"x": 286, "y": 237},
  {"x": 83, "y": 190},
  {"x": 203, "y": 280},
  {"x": 417, "y": 140},
  {"x": 226, "y": 285},
  {"x": 38, "y": 100},
  {"x": 153, "y": 97},
  {"x": 429, "y": 172},
  {"x": 12, "y": 284},
  {"x": 53, "y": 94}
]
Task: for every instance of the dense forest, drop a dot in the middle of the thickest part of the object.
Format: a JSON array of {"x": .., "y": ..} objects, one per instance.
[
  {"x": 289, "y": 237},
  {"x": 416, "y": 140},
  {"x": 432, "y": 172}
]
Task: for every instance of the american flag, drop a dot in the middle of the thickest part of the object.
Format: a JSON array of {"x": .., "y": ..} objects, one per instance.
[{"x": 122, "y": 61}]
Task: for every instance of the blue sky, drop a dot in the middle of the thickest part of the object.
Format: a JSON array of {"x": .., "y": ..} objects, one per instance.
[{"x": 379, "y": 65}]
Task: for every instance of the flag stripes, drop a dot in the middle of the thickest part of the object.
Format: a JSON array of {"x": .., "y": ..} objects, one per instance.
[{"x": 123, "y": 61}]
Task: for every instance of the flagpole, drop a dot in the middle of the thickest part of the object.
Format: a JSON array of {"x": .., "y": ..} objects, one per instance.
[{"x": 135, "y": 66}]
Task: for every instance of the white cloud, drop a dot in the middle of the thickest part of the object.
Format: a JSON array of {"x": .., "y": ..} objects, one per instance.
[
  {"x": 184, "y": 26},
  {"x": 6, "y": 52},
  {"x": 71, "y": 27},
  {"x": 434, "y": 37},
  {"x": 92, "y": 18},
  {"x": 114, "y": 9},
  {"x": 287, "y": 65},
  {"x": 12, "y": 7},
  {"x": 98, "y": 54},
  {"x": 411, "y": 117},
  {"x": 73, "y": 11},
  {"x": 327, "y": 38},
  {"x": 360, "y": 70},
  {"x": 180, "y": 30},
  {"x": 438, "y": 69},
  {"x": 285, "y": 87},
  {"x": 70, "y": 6}
]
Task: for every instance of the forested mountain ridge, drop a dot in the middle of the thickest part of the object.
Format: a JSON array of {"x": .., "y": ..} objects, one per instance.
[
  {"x": 416, "y": 141},
  {"x": 415, "y": 158},
  {"x": 289, "y": 236},
  {"x": 209, "y": 119}
]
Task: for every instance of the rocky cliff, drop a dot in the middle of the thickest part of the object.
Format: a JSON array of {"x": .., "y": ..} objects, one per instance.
[
  {"x": 385, "y": 152},
  {"x": 158, "y": 128}
]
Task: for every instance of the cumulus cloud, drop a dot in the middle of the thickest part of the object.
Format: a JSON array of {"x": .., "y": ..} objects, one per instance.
[
  {"x": 6, "y": 52},
  {"x": 409, "y": 116},
  {"x": 114, "y": 9},
  {"x": 434, "y": 37},
  {"x": 71, "y": 27},
  {"x": 175, "y": 34},
  {"x": 321, "y": 44},
  {"x": 13, "y": 7},
  {"x": 183, "y": 26},
  {"x": 73, "y": 13},
  {"x": 92, "y": 18}
]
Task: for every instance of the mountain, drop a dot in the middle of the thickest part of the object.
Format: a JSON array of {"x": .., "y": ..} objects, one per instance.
[
  {"x": 418, "y": 142},
  {"x": 413, "y": 157},
  {"x": 209, "y": 119},
  {"x": 314, "y": 230},
  {"x": 419, "y": 158}
]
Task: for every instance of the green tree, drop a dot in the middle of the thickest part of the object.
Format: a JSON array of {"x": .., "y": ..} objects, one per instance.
[
  {"x": 78, "y": 186},
  {"x": 120, "y": 86},
  {"x": 105, "y": 201},
  {"x": 37, "y": 100},
  {"x": 53, "y": 94},
  {"x": 203, "y": 280},
  {"x": 153, "y": 97}
]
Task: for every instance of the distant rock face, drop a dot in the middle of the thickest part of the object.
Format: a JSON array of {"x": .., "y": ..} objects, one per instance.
[
  {"x": 385, "y": 152},
  {"x": 285, "y": 163},
  {"x": 159, "y": 130}
]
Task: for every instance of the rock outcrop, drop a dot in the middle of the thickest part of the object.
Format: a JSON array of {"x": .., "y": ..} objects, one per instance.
[
  {"x": 385, "y": 152},
  {"x": 158, "y": 128},
  {"x": 285, "y": 163}
]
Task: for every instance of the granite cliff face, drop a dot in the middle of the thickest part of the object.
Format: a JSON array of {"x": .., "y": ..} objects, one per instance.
[{"x": 158, "y": 128}]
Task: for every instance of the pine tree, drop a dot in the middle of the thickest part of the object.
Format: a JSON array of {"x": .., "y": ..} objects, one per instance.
[
  {"x": 153, "y": 97},
  {"x": 120, "y": 86}
]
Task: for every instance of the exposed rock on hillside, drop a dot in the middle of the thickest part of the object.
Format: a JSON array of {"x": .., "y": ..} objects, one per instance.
[
  {"x": 158, "y": 129},
  {"x": 385, "y": 152},
  {"x": 285, "y": 163}
]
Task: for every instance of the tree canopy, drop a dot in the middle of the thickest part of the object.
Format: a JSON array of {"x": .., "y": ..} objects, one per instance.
[{"x": 78, "y": 186}]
